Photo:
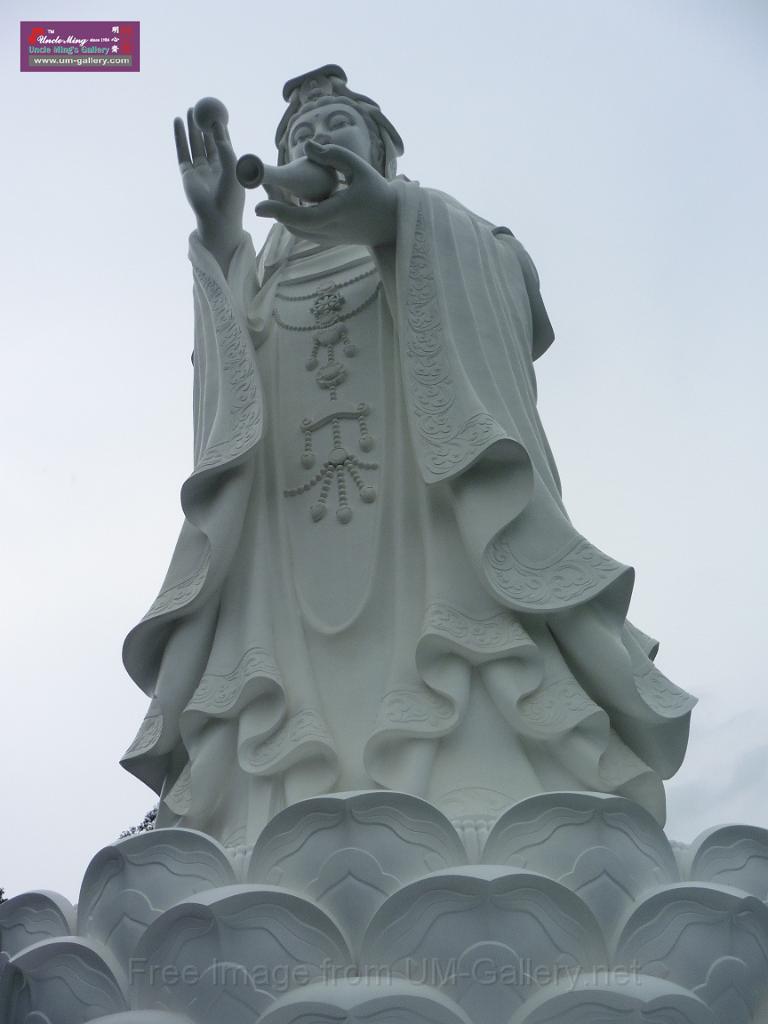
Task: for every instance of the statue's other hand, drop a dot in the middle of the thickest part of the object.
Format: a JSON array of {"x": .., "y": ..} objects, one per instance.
[
  {"x": 207, "y": 164},
  {"x": 365, "y": 212}
]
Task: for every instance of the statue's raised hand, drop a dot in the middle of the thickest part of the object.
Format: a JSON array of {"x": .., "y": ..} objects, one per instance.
[
  {"x": 365, "y": 212},
  {"x": 207, "y": 164}
]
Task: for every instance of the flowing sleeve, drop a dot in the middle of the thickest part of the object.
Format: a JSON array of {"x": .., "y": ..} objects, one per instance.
[
  {"x": 542, "y": 334},
  {"x": 470, "y": 321},
  {"x": 228, "y": 422},
  {"x": 466, "y": 326}
]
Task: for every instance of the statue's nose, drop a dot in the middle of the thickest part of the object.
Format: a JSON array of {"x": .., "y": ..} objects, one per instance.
[{"x": 322, "y": 139}]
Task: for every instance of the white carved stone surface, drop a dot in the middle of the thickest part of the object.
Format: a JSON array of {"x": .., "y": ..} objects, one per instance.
[
  {"x": 606, "y": 849},
  {"x": 396, "y": 1001},
  {"x": 229, "y": 950},
  {"x": 129, "y": 884},
  {"x": 62, "y": 981},
  {"x": 710, "y": 939},
  {"x": 615, "y": 1000},
  {"x": 360, "y": 906},
  {"x": 32, "y": 917},
  {"x": 482, "y": 928},
  {"x": 734, "y": 855},
  {"x": 349, "y": 852},
  {"x": 144, "y": 1017}
]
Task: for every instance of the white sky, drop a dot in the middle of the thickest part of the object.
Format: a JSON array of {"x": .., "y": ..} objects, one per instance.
[{"x": 623, "y": 141}]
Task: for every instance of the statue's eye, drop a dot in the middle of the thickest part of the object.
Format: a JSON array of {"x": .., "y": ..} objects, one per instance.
[
  {"x": 300, "y": 135},
  {"x": 340, "y": 121}
]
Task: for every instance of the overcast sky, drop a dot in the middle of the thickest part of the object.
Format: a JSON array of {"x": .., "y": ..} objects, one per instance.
[{"x": 623, "y": 141}]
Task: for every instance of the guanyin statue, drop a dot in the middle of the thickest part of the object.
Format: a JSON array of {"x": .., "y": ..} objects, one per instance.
[{"x": 376, "y": 584}]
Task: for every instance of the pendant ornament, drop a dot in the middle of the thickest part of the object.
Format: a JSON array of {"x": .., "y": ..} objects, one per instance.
[{"x": 340, "y": 465}]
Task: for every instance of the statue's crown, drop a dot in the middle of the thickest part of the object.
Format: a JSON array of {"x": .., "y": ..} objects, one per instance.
[{"x": 313, "y": 84}]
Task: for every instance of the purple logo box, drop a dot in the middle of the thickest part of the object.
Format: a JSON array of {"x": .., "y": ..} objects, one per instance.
[{"x": 79, "y": 45}]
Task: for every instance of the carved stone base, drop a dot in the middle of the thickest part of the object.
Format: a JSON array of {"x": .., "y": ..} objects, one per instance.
[{"x": 362, "y": 907}]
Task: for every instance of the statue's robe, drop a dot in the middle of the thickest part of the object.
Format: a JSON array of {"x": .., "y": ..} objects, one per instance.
[{"x": 457, "y": 638}]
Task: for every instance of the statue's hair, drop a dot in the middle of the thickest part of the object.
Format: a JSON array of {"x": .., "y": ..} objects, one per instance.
[{"x": 378, "y": 145}]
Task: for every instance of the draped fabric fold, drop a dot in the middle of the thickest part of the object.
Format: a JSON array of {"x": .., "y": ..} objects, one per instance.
[
  {"x": 168, "y": 653},
  {"x": 470, "y": 321}
]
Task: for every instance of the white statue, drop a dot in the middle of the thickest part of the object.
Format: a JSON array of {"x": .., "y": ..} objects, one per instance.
[
  {"x": 376, "y": 583},
  {"x": 377, "y": 589}
]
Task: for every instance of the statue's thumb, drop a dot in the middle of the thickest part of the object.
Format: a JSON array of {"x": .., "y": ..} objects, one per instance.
[
  {"x": 316, "y": 151},
  {"x": 333, "y": 156}
]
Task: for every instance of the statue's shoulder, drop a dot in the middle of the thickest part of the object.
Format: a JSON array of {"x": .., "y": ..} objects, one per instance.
[
  {"x": 449, "y": 203},
  {"x": 513, "y": 259},
  {"x": 440, "y": 199}
]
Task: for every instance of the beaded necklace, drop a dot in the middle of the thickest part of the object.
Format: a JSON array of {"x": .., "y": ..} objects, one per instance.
[{"x": 331, "y": 330}]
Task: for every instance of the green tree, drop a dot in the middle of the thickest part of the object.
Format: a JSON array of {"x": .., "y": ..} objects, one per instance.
[{"x": 146, "y": 824}]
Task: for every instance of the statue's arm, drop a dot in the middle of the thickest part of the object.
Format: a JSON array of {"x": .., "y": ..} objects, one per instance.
[
  {"x": 207, "y": 164},
  {"x": 514, "y": 260},
  {"x": 542, "y": 333}
]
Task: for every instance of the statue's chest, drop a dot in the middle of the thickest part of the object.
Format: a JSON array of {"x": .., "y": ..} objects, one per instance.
[{"x": 333, "y": 336}]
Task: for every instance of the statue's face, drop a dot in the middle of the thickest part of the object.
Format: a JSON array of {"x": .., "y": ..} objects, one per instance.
[{"x": 332, "y": 123}]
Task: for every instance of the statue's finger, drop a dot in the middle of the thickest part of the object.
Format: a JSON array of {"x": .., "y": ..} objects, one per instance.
[
  {"x": 341, "y": 159},
  {"x": 286, "y": 213},
  {"x": 211, "y": 149},
  {"x": 307, "y": 218},
  {"x": 223, "y": 146},
  {"x": 196, "y": 144},
  {"x": 275, "y": 209},
  {"x": 182, "y": 149}
]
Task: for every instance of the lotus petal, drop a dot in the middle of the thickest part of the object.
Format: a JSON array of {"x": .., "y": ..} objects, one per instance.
[
  {"x": 32, "y": 917},
  {"x": 143, "y": 1017},
  {"x": 615, "y": 999},
  {"x": 488, "y": 935},
  {"x": 734, "y": 855},
  {"x": 684, "y": 931},
  {"x": 605, "y": 848},
  {"x": 348, "y": 852},
  {"x": 227, "y": 952},
  {"x": 67, "y": 981},
  {"x": 388, "y": 1001},
  {"x": 724, "y": 991},
  {"x": 129, "y": 884}
]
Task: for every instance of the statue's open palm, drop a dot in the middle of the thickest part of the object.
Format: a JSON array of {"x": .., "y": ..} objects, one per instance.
[{"x": 207, "y": 164}]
